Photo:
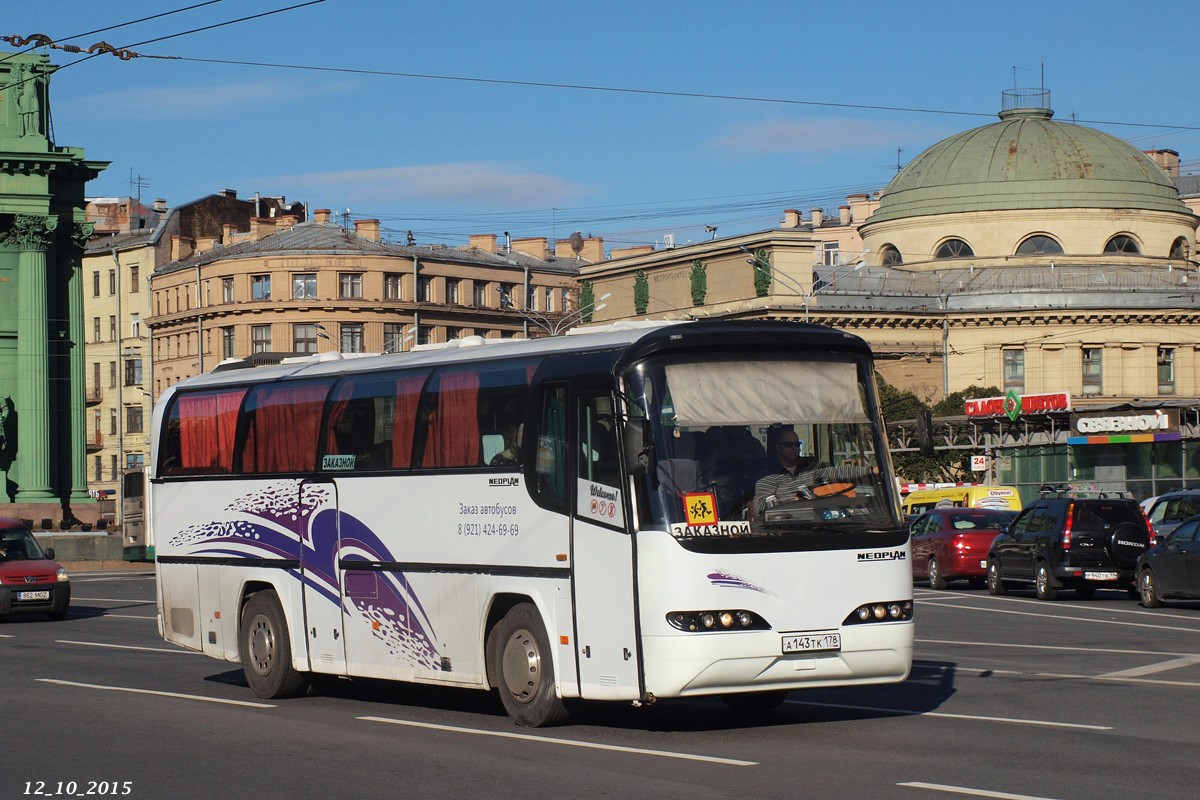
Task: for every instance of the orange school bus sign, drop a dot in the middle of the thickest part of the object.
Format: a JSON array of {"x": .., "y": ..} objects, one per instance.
[{"x": 1013, "y": 405}]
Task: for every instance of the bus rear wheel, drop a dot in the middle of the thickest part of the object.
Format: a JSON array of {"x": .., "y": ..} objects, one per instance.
[
  {"x": 265, "y": 648},
  {"x": 523, "y": 665}
]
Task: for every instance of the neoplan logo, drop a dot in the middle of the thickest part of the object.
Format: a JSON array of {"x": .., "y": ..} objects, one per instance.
[
  {"x": 504, "y": 481},
  {"x": 887, "y": 555}
]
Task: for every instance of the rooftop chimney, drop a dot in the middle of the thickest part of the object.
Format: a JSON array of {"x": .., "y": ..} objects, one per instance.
[
  {"x": 230, "y": 193},
  {"x": 160, "y": 204},
  {"x": 367, "y": 229},
  {"x": 321, "y": 215},
  {"x": 182, "y": 247},
  {"x": 533, "y": 246},
  {"x": 791, "y": 218},
  {"x": 261, "y": 227},
  {"x": 485, "y": 242},
  {"x": 844, "y": 215},
  {"x": 818, "y": 216},
  {"x": 1167, "y": 160}
]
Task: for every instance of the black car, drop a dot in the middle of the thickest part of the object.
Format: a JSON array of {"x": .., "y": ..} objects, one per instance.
[
  {"x": 1079, "y": 543},
  {"x": 1171, "y": 569}
]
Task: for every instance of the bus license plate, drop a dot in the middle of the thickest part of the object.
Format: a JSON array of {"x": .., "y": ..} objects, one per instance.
[
  {"x": 33, "y": 595},
  {"x": 1099, "y": 576},
  {"x": 812, "y": 642}
]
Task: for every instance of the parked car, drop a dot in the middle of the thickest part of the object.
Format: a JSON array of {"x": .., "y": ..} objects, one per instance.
[
  {"x": 1071, "y": 542},
  {"x": 31, "y": 581},
  {"x": 1170, "y": 570},
  {"x": 998, "y": 497},
  {"x": 952, "y": 543},
  {"x": 1172, "y": 508}
]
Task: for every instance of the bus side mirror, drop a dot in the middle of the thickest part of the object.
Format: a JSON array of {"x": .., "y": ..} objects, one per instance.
[{"x": 639, "y": 449}]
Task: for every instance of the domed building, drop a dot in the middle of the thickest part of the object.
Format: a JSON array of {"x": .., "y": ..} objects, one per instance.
[{"x": 1043, "y": 257}]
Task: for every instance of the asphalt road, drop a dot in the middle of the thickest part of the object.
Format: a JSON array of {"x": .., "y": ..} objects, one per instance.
[{"x": 1009, "y": 698}]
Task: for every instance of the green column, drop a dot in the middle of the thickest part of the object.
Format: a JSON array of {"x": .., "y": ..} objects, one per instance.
[
  {"x": 32, "y": 235},
  {"x": 78, "y": 411}
]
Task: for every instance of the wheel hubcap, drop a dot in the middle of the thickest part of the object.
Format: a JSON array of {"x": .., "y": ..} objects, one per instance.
[
  {"x": 521, "y": 666},
  {"x": 262, "y": 645},
  {"x": 1147, "y": 588}
]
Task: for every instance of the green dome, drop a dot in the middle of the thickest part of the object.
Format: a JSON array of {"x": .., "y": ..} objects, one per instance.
[{"x": 1027, "y": 161}]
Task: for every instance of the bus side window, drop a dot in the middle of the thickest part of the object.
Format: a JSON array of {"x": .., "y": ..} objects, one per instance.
[
  {"x": 598, "y": 440},
  {"x": 550, "y": 463}
]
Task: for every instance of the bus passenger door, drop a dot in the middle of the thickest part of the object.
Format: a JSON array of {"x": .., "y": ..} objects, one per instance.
[
  {"x": 602, "y": 557},
  {"x": 321, "y": 578}
]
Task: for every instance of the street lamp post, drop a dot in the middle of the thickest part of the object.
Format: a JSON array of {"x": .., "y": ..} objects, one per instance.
[
  {"x": 554, "y": 326},
  {"x": 805, "y": 294}
]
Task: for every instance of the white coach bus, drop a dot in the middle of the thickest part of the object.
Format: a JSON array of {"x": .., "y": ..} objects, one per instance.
[{"x": 569, "y": 517}]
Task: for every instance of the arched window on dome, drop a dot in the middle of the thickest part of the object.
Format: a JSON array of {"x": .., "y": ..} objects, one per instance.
[
  {"x": 954, "y": 248},
  {"x": 891, "y": 256},
  {"x": 1122, "y": 244},
  {"x": 1180, "y": 249},
  {"x": 1039, "y": 245}
]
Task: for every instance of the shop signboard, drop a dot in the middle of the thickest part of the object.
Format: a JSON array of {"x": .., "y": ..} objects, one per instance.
[
  {"x": 1123, "y": 427},
  {"x": 1014, "y": 405}
]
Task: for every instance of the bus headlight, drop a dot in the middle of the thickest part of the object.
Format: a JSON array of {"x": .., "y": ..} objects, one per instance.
[
  {"x": 886, "y": 611},
  {"x": 718, "y": 620}
]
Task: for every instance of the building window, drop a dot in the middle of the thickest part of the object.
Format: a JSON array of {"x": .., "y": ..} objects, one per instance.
[
  {"x": 393, "y": 337},
  {"x": 304, "y": 338},
  {"x": 227, "y": 342},
  {"x": 1179, "y": 248},
  {"x": 304, "y": 286},
  {"x": 422, "y": 335},
  {"x": 135, "y": 325},
  {"x": 1039, "y": 245},
  {"x": 1093, "y": 370},
  {"x": 391, "y": 287},
  {"x": 135, "y": 461},
  {"x": 352, "y": 337},
  {"x": 423, "y": 285},
  {"x": 112, "y": 328},
  {"x": 1122, "y": 244},
  {"x": 478, "y": 294},
  {"x": 112, "y": 281},
  {"x": 112, "y": 467},
  {"x": 133, "y": 419},
  {"x": 1166, "y": 370},
  {"x": 530, "y": 296},
  {"x": 453, "y": 333},
  {"x": 563, "y": 298},
  {"x": 1014, "y": 370},
  {"x": 549, "y": 302},
  {"x": 112, "y": 374},
  {"x": 95, "y": 284},
  {"x": 134, "y": 283},
  {"x": 506, "y": 295},
  {"x": 112, "y": 422},
  {"x": 452, "y": 291},
  {"x": 98, "y": 464},
  {"x": 831, "y": 254},
  {"x": 350, "y": 285},
  {"x": 260, "y": 338},
  {"x": 891, "y": 255},
  {"x": 133, "y": 372},
  {"x": 954, "y": 248},
  {"x": 227, "y": 290},
  {"x": 260, "y": 287}
]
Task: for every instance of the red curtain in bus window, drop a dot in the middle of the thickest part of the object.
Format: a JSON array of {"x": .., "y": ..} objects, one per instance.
[
  {"x": 287, "y": 422},
  {"x": 206, "y": 426},
  {"x": 408, "y": 393},
  {"x": 454, "y": 427}
]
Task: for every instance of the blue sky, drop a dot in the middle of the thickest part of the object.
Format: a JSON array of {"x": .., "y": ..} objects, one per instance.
[{"x": 493, "y": 153}]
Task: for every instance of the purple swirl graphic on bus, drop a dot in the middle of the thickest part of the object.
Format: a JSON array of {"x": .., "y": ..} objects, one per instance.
[
  {"x": 282, "y": 522},
  {"x": 726, "y": 580}
]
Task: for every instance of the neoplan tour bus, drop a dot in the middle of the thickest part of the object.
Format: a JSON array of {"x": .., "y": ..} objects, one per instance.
[{"x": 557, "y": 518}]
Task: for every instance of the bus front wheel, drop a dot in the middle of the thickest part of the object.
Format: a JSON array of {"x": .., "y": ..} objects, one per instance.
[
  {"x": 265, "y": 648},
  {"x": 523, "y": 665}
]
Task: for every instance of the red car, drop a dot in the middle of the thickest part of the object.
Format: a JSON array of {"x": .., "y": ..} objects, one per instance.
[
  {"x": 31, "y": 581},
  {"x": 952, "y": 543}
]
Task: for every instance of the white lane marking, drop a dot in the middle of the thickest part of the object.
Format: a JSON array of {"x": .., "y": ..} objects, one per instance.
[
  {"x": 5, "y": 636},
  {"x": 1052, "y": 647},
  {"x": 566, "y": 742},
  {"x": 1073, "y": 619},
  {"x": 131, "y": 647},
  {"x": 910, "y": 713},
  {"x": 1151, "y": 669},
  {"x": 131, "y": 601},
  {"x": 154, "y": 692},
  {"x": 1068, "y": 676},
  {"x": 940, "y": 787},
  {"x": 1083, "y": 605}
]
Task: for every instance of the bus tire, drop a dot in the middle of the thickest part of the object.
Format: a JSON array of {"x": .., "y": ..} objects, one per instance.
[
  {"x": 523, "y": 665},
  {"x": 265, "y": 647}
]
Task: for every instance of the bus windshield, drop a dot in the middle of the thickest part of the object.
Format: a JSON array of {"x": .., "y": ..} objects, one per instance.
[{"x": 778, "y": 445}]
